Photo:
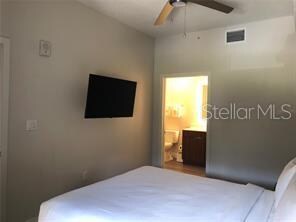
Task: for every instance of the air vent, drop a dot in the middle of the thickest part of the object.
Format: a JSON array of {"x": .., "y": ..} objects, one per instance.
[{"x": 236, "y": 36}]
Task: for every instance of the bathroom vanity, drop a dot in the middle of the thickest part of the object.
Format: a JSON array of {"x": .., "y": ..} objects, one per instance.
[{"x": 194, "y": 147}]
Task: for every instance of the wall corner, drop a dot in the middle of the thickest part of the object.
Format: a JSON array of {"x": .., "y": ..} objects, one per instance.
[{"x": 294, "y": 10}]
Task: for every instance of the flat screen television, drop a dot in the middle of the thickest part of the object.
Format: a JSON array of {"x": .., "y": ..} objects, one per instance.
[{"x": 109, "y": 97}]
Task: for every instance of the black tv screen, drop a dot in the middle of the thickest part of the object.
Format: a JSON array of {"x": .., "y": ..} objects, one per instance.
[{"x": 109, "y": 97}]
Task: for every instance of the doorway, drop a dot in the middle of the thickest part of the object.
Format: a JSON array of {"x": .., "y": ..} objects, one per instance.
[
  {"x": 4, "y": 92},
  {"x": 185, "y": 124}
]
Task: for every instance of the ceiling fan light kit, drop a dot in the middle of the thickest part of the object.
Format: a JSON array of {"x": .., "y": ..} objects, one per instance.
[
  {"x": 178, "y": 3},
  {"x": 171, "y": 4}
]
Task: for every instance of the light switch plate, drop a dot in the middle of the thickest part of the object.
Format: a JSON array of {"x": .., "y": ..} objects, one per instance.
[
  {"x": 31, "y": 125},
  {"x": 45, "y": 48}
]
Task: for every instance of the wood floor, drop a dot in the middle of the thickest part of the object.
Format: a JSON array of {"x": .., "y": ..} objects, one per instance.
[{"x": 180, "y": 167}]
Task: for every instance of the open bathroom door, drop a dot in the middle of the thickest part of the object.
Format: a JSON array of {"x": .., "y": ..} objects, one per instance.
[{"x": 4, "y": 91}]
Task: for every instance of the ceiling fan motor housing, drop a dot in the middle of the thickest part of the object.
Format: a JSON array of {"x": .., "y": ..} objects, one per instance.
[{"x": 178, "y": 3}]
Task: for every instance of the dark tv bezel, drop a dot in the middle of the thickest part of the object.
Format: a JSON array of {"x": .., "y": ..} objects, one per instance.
[{"x": 87, "y": 114}]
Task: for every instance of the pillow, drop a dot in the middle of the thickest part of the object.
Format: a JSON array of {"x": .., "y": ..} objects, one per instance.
[
  {"x": 284, "y": 180},
  {"x": 290, "y": 164},
  {"x": 286, "y": 209}
]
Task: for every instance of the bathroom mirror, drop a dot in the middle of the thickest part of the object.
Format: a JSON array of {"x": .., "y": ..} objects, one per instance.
[{"x": 204, "y": 101}]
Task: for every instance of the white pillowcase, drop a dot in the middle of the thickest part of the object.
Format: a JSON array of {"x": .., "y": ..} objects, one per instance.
[
  {"x": 286, "y": 209},
  {"x": 284, "y": 180}
]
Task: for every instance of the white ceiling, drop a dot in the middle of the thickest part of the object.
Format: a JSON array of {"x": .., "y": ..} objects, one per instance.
[{"x": 141, "y": 14}]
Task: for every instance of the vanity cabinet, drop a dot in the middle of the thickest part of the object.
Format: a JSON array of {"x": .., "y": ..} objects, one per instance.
[{"x": 194, "y": 147}]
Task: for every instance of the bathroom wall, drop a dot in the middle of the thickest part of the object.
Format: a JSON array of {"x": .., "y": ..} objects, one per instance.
[
  {"x": 185, "y": 93},
  {"x": 261, "y": 70}
]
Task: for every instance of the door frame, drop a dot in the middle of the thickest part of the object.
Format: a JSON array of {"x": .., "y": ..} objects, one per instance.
[
  {"x": 163, "y": 77},
  {"x": 4, "y": 104}
]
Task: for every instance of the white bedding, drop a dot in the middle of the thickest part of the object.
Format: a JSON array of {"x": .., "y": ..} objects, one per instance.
[
  {"x": 154, "y": 195},
  {"x": 262, "y": 209}
]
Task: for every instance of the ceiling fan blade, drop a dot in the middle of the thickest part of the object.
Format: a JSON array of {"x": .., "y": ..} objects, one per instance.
[
  {"x": 213, "y": 5},
  {"x": 166, "y": 11}
]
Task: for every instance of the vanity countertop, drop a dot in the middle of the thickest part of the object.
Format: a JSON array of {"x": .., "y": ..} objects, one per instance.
[{"x": 198, "y": 129}]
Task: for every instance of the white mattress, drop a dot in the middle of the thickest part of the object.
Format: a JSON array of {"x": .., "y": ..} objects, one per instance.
[{"x": 151, "y": 194}]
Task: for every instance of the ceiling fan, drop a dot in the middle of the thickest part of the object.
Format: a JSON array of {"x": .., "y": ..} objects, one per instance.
[{"x": 171, "y": 4}]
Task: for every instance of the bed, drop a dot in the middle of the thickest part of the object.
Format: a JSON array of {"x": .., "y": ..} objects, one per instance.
[{"x": 157, "y": 195}]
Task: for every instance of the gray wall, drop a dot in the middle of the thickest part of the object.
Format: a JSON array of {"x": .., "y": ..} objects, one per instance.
[
  {"x": 259, "y": 71},
  {"x": 295, "y": 12},
  {"x": 1, "y": 15},
  {"x": 53, "y": 159}
]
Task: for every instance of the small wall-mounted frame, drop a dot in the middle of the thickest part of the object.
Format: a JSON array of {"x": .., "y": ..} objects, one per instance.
[
  {"x": 45, "y": 48},
  {"x": 235, "y": 36}
]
